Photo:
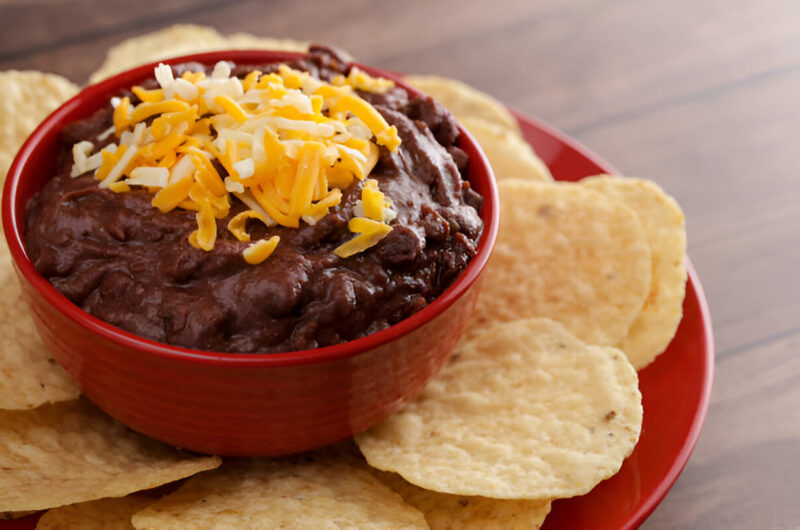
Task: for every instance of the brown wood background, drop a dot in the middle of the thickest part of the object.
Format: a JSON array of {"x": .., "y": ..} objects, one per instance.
[{"x": 701, "y": 96}]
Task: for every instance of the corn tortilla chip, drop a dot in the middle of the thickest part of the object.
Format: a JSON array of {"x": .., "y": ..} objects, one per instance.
[
  {"x": 5, "y": 164},
  {"x": 26, "y": 98},
  {"x": 443, "y": 510},
  {"x": 72, "y": 452},
  {"x": 451, "y": 512},
  {"x": 182, "y": 39},
  {"x": 246, "y": 41},
  {"x": 167, "y": 42},
  {"x": 510, "y": 155},
  {"x": 301, "y": 492},
  {"x": 103, "y": 514},
  {"x": 567, "y": 253},
  {"x": 29, "y": 376},
  {"x": 665, "y": 231},
  {"x": 523, "y": 411},
  {"x": 465, "y": 101}
]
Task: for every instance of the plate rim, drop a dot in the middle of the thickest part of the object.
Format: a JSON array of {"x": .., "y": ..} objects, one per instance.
[{"x": 654, "y": 497}]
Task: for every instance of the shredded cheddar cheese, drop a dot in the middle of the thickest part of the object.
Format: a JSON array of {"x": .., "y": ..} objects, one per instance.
[
  {"x": 285, "y": 144},
  {"x": 257, "y": 252}
]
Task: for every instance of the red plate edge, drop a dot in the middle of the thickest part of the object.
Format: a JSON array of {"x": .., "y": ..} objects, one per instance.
[
  {"x": 628, "y": 498},
  {"x": 676, "y": 387}
]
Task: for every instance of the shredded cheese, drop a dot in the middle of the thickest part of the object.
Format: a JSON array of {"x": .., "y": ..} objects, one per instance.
[
  {"x": 257, "y": 252},
  {"x": 285, "y": 144}
]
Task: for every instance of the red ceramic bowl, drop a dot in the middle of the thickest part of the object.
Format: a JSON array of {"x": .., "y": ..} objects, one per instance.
[{"x": 236, "y": 404}]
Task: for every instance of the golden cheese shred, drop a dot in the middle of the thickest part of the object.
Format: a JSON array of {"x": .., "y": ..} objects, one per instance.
[
  {"x": 257, "y": 252},
  {"x": 287, "y": 142},
  {"x": 369, "y": 234},
  {"x": 236, "y": 225}
]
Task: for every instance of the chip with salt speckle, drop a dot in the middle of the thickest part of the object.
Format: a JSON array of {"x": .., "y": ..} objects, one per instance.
[
  {"x": 524, "y": 410},
  {"x": 72, "y": 452},
  {"x": 567, "y": 253},
  {"x": 305, "y": 491},
  {"x": 664, "y": 229},
  {"x": 450, "y": 512},
  {"x": 26, "y": 98},
  {"x": 29, "y": 376}
]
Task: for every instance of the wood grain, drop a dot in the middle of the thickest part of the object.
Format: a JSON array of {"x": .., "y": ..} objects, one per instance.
[
  {"x": 744, "y": 471},
  {"x": 701, "y": 96},
  {"x": 731, "y": 162}
]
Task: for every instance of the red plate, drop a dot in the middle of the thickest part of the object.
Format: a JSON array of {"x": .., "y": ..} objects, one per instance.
[{"x": 675, "y": 388}]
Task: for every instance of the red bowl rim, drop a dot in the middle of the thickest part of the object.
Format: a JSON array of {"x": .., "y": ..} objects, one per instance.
[{"x": 102, "y": 90}]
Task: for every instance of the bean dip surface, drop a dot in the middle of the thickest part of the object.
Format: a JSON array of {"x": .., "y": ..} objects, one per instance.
[{"x": 129, "y": 264}]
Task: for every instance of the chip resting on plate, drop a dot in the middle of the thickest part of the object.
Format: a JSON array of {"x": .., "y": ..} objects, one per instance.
[
  {"x": 665, "y": 231},
  {"x": 26, "y": 98},
  {"x": 509, "y": 154},
  {"x": 182, "y": 39},
  {"x": 103, "y": 514},
  {"x": 523, "y": 410},
  {"x": 305, "y": 491},
  {"x": 567, "y": 253},
  {"x": 464, "y": 101},
  {"x": 72, "y": 452},
  {"x": 29, "y": 376},
  {"x": 444, "y": 511}
]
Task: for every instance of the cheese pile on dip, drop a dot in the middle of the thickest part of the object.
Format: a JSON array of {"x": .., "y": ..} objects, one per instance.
[{"x": 285, "y": 144}]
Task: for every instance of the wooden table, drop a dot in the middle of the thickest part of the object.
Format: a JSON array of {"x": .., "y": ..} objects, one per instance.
[{"x": 700, "y": 96}]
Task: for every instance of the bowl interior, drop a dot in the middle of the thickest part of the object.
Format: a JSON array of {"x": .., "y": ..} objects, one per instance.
[{"x": 37, "y": 162}]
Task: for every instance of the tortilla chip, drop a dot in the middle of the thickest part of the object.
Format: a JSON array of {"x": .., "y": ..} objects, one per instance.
[
  {"x": 5, "y": 164},
  {"x": 665, "y": 231},
  {"x": 182, "y": 39},
  {"x": 29, "y": 376},
  {"x": 26, "y": 98},
  {"x": 103, "y": 514},
  {"x": 72, "y": 452},
  {"x": 522, "y": 411},
  {"x": 308, "y": 491},
  {"x": 175, "y": 40},
  {"x": 443, "y": 510},
  {"x": 450, "y": 512},
  {"x": 464, "y": 101},
  {"x": 245, "y": 41},
  {"x": 510, "y": 155},
  {"x": 567, "y": 253}
]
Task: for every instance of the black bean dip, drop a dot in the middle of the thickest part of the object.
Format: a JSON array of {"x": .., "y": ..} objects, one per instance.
[{"x": 127, "y": 263}]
